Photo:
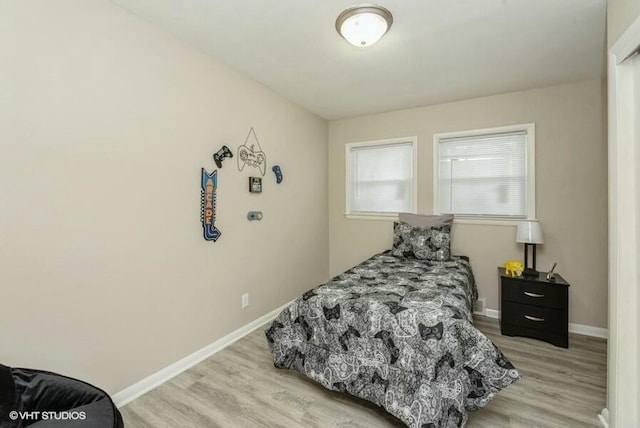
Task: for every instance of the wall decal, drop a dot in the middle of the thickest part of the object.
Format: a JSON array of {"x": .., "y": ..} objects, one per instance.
[
  {"x": 255, "y": 184},
  {"x": 254, "y": 215},
  {"x": 221, "y": 154},
  {"x": 250, "y": 153},
  {"x": 208, "y": 205},
  {"x": 278, "y": 172}
]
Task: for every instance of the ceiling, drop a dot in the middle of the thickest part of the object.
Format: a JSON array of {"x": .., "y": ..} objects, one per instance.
[{"x": 436, "y": 51}]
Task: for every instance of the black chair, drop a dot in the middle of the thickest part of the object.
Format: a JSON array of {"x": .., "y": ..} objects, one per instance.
[{"x": 49, "y": 400}]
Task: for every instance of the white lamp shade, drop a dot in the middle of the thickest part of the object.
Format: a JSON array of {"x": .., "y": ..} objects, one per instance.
[
  {"x": 364, "y": 25},
  {"x": 529, "y": 232}
]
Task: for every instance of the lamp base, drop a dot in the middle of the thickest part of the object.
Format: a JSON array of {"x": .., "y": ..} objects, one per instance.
[{"x": 530, "y": 272}]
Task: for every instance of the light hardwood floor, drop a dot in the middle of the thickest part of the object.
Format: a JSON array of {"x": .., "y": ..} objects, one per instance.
[{"x": 239, "y": 387}]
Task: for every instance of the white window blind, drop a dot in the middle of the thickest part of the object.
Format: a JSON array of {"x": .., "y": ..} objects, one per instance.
[
  {"x": 381, "y": 178},
  {"x": 484, "y": 175}
]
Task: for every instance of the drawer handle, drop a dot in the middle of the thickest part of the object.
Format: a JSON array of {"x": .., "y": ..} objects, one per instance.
[
  {"x": 526, "y": 293},
  {"x": 536, "y": 319}
]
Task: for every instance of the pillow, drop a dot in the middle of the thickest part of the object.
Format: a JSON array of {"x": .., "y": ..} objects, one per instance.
[
  {"x": 421, "y": 243},
  {"x": 402, "y": 238},
  {"x": 420, "y": 220},
  {"x": 435, "y": 245}
]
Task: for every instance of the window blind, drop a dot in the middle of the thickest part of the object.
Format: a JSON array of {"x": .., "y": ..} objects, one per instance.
[
  {"x": 483, "y": 175},
  {"x": 381, "y": 178}
]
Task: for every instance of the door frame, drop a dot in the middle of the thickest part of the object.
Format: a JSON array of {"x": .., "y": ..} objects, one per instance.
[{"x": 623, "y": 370}]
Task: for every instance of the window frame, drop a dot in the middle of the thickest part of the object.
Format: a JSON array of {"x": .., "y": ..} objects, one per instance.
[
  {"x": 413, "y": 140},
  {"x": 530, "y": 151}
]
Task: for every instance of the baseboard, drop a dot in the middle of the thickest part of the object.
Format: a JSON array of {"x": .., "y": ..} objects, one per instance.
[
  {"x": 150, "y": 382},
  {"x": 585, "y": 330},
  {"x": 603, "y": 417},
  {"x": 492, "y": 313}
]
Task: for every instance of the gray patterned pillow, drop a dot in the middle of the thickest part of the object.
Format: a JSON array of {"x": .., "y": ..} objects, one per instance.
[
  {"x": 422, "y": 243},
  {"x": 403, "y": 235}
]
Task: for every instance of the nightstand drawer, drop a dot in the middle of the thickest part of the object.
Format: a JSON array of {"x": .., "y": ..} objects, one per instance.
[
  {"x": 535, "y": 294},
  {"x": 553, "y": 338},
  {"x": 534, "y": 317}
]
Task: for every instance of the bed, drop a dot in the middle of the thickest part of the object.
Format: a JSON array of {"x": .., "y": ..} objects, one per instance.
[{"x": 396, "y": 331}]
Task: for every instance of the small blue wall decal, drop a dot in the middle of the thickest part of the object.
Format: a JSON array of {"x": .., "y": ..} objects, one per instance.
[
  {"x": 278, "y": 172},
  {"x": 208, "y": 205}
]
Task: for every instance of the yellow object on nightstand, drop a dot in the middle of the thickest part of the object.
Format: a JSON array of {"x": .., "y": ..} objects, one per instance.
[{"x": 513, "y": 268}]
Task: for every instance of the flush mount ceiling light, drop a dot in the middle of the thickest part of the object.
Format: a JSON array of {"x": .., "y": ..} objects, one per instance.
[{"x": 364, "y": 24}]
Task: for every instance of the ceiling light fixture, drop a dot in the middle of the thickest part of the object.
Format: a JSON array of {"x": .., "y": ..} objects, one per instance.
[{"x": 364, "y": 24}]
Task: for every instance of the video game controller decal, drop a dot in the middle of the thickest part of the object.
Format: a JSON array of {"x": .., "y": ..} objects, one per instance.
[
  {"x": 221, "y": 154},
  {"x": 278, "y": 172},
  {"x": 250, "y": 153},
  {"x": 208, "y": 205}
]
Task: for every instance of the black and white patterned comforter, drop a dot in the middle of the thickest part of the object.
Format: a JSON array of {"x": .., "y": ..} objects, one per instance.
[{"x": 397, "y": 332}]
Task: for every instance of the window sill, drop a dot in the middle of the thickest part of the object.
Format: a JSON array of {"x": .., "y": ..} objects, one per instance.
[
  {"x": 456, "y": 220},
  {"x": 490, "y": 221},
  {"x": 376, "y": 216}
]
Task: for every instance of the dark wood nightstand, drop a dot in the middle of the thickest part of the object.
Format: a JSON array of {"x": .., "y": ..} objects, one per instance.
[{"x": 535, "y": 307}]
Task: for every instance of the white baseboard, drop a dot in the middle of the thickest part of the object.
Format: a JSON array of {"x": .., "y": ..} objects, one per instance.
[
  {"x": 158, "y": 378},
  {"x": 585, "y": 330},
  {"x": 492, "y": 313},
  {"x": 603, "y": 417}
]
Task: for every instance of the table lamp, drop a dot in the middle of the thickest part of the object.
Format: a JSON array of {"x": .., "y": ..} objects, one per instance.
[{"x": 529, "y": 233}]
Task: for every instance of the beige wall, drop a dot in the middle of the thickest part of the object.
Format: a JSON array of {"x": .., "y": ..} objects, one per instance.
[
  {"x": 620, "y": 14},
  {"x": 105, "y": 123},
  {"x": 571, "y": 171}
]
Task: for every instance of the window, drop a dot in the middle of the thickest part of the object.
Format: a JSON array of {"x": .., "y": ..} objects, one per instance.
[
  {"x": 486, "y": 173},
  {"x": 381, "y": 177}
]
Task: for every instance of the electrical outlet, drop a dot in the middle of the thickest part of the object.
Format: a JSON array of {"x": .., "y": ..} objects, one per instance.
[
  {"x": 480, "y": 307},
  {"x": 245, "y": 300}
]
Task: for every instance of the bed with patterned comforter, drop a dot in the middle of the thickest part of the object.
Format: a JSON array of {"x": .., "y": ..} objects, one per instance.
[{"x": 397, "y": 332}]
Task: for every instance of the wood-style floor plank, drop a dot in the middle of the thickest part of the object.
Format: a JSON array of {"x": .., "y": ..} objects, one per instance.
[{"x": 239, "y": 387}]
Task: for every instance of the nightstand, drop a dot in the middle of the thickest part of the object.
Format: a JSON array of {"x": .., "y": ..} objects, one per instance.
[{"x": 534, "y": 307}]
